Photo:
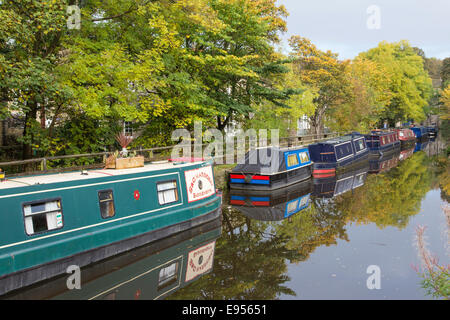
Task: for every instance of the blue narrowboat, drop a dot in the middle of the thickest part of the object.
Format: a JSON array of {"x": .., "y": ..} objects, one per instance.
[
  {"x": 84, "y": 218},
  {"x": 420, "y": 132},
  {"x": 383, "y": 141},
  {"x": 330, "y": 187},
  {"x": 275, "y": 205},
  {"x": 338, "y": 154},
  {"x": 271, "y": 168}
]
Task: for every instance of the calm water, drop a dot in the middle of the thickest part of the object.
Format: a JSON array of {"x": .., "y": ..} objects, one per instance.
[
  {"x": 323, "y": 251},
  {"x": 311, "y": 241}
]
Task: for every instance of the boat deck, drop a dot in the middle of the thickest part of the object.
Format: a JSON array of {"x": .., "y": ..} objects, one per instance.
[{"x": 16, "y": 182}]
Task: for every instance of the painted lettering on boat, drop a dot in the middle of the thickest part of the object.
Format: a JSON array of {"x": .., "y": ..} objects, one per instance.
[
  {"x": 200, "y": 183},
  {"x": 200, "y": 261}
]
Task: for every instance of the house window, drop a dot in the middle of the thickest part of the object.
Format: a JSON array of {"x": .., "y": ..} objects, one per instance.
[
  {"x": 167, "y": 192},
  {"x": 167, "y": 275},
  {"x": 292, "y": 160},
  {"x": 43, "y": 216},
  {"x": 106, "y": 201},
  {"x": 128, "y": 128}
]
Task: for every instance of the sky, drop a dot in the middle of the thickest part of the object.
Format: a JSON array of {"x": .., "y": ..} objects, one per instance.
[{"x": 349, "y": 27}]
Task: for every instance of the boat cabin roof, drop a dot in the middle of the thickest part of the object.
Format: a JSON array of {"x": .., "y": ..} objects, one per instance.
[
  {"x": 342, "y": 139},
  {"x": 39, "y": 179}
]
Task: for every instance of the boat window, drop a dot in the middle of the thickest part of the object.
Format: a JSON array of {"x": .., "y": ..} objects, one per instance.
[
  {"x": 292, "y": 206},
  {"x": 43, "y": 216},
  {"x": 167, "y": 275},
  {"x": 360, "y": 145},
  {"x": 106, "y": 201},
  {"x": 304, "y": 157},
  {"x": 343, "y": 150},
  {"x": 292, "y": 160},
  {"x": 167, "y": 192}
]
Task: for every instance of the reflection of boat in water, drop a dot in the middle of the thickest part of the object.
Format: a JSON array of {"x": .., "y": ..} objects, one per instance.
[
  {"x": 272, "y": 205},
  {"x": 330, "y": 187},
  {"x": 153, "y": 271},
  {"x": 339, "y": 154},
  {"x": 421, "y": 145},
  {"x": 406, "y": 153},
  {"x": 384, "y": 163},
  {"x": 271, "y": 168}
]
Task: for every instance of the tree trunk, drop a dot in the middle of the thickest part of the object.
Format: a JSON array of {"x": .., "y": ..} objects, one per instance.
[{"x": 30, "y": 117}]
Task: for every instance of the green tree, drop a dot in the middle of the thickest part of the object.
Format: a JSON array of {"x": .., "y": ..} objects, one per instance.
[{"x": 409, "y": 84}]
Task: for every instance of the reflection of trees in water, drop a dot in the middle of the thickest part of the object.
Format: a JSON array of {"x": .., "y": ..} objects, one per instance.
[
  {"x": 251, "y": 256},
  {"x": 391, "y": 198}
]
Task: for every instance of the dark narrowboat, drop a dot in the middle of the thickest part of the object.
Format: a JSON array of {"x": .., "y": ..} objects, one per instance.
[
  {"x": 384, "y": 163},
  {"x": 420, "y": 132},
  {"x": 330, "y": 187},
  {"x": 50, "y": 220},
  {"x": 151, "y": 272},
  {"x": 338, "y": 154},
  {"x": 275, "y": 205},
  {"x": 406, "y": 136},
  {"x": 271, "y": 168},
  {"x": 380, "y": 142}
]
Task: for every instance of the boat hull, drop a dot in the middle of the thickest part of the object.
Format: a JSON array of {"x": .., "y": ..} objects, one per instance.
[
  {"x": 52, "y": 269},
  {"x": 276, "y": 181}
]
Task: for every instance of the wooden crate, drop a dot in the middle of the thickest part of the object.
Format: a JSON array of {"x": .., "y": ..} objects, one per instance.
[{"x": 124, "y": 163}]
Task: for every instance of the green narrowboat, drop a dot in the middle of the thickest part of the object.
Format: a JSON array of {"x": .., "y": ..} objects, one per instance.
[{"x": 48, "y": 221}]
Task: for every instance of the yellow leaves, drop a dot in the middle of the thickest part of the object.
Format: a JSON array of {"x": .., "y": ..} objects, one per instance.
[{"x": 445, "y": 99}]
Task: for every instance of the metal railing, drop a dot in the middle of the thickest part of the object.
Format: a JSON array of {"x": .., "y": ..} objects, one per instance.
[{"x": 43, "y": 164}]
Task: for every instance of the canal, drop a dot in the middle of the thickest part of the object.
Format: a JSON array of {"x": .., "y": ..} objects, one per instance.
[{"x": 349, "y": 237}]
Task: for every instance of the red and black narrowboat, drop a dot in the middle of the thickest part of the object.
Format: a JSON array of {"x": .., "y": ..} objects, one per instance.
[
  {"x": 406, "y": 136},
  {"x": 382, "y": 141},
  {"x": 338, "y": 154}
]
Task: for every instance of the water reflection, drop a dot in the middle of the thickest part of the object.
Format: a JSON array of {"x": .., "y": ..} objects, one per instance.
[
  {"x": 153, "y": 271},
  {"x": 272, "y": 205},
  {"x": 263, "y": 255}
]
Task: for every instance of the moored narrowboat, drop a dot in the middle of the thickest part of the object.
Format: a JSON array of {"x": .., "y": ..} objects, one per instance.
[
  {"x": 271, "y": 168},
  {"x": 330, "y": 187},
  {"x": 335, "y": 155},
  {"x": 420, "y": 132},
  {"x": 275, "y": 205},
  {"x": 85, "y": 218},
  {"x": 406, "y": 137},
  {"x": 382, "y": 141}
]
